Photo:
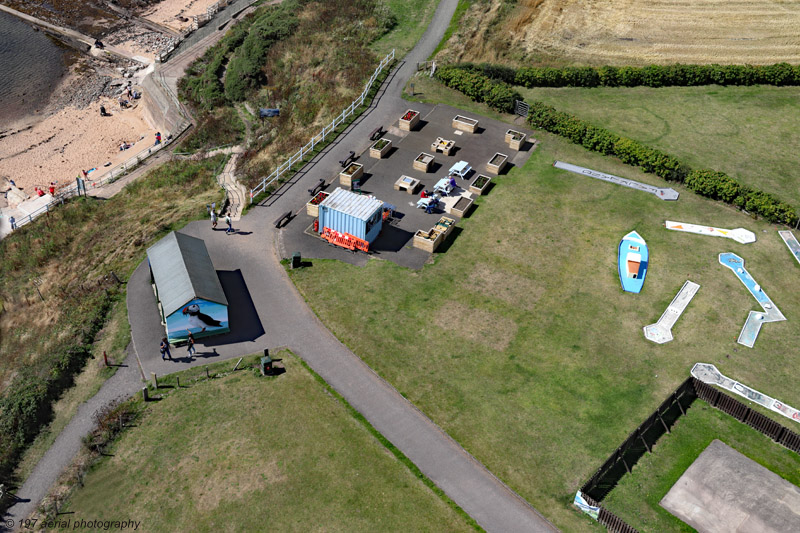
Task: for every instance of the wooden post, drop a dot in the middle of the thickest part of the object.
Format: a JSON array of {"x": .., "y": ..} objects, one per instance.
[
  {"x": 145, "y": 396},
  {"x": 178, "y": 381},
  {"x": 155, "y": 380},
  {"x": 105, "y": 357},
  {"x": 237, "y": 364},
  {"x": 207, "y": 376}
]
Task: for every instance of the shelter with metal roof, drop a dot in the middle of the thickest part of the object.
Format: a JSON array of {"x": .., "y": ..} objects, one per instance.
[
  {"x": 355, "y": 214},
  {"x": 188, "y": 290}
]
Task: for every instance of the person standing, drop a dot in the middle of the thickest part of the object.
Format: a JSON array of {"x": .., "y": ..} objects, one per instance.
[
  {"x": 190, "y": 343},
  {"x": 165, "y": 350},
  {"x": 158, "y": 137},
  {"x": 213, "y": 219},
  {"x": 229, "y": 223},
  {"x": 13, "y": 222}
]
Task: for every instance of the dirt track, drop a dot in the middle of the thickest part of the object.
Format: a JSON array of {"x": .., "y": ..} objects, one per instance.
[{"x": 653, "y": 31}]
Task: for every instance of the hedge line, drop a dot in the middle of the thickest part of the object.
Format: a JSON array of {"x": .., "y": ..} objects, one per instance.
[
  {"x": 649, "y": 76},
  {"x": 495, "y": 94},
  {"x": 708, "y": 183}
]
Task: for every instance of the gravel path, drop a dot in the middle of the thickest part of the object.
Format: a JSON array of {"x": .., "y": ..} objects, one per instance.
[{"x": 277, "y": 316}]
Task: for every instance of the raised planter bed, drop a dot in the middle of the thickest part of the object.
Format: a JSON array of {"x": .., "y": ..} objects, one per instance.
[
  {"x": 312, "y": 207},
  {"x": 515, "y": 139},
  {"x": 380, "y": 148},
  {"x": 354, "y": 171},
  {"x": 428, "y": 240},
  {"x": 445, "y": 225},
  {"x": 480, "y": 184},
  {"x": 409, "y": 120},
  {"x": 470, "y": 125},
  {"x": 423, "y": 162},
  {"x": 497, "y": 163},
  {"x": 461, "y": 207}
]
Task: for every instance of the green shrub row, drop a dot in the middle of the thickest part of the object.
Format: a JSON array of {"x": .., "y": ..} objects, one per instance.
[
  {"x": 27, "y": 405},
  {"x": 708, "y": 183},
  {"x": 495, "y": 94},
  {"x": 649, "y": 76}
]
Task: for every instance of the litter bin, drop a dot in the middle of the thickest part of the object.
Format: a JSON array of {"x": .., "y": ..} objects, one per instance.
[
  {"x": 296, "y": 260},
  {"x": 266, "y": 365}
]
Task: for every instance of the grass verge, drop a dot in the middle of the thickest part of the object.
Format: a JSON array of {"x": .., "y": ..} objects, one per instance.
[
  {"x": 241, "y": 451},
  {"x": 525, "y": 349},
  {"x": 461, "y": 8},
  {"x": 746, "y": 132},
  {"x": 412, "y": 18},
  {"x": 636, "y": 498}
]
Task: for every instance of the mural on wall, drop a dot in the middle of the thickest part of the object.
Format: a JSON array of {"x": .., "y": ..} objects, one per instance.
[{"x": 201, "y": 317}]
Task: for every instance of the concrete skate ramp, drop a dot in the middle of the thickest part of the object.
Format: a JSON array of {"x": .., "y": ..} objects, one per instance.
[{"x": 725, "y": 492}]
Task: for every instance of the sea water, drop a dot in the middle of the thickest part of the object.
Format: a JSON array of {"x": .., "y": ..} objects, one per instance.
[{"x": 31, "y": 65}]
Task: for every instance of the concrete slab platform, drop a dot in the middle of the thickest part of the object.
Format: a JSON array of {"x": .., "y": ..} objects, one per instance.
[
  {"x": 396, "y": 240},
  {"x": 725, "y": 492}
]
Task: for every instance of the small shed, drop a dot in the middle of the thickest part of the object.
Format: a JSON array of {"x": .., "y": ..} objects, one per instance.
[
  {"x": 188, "y": 290},
  {"x": 348, "y": 212}
]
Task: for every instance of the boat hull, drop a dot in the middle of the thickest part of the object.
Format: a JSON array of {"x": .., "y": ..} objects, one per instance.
[{"x": 633, "y": 260}]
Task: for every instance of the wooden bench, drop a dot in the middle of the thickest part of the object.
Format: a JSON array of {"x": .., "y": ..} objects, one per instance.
[
  {"x": 376, "y": 133},
  {"x": 347, "y": 160},
  {"x": 287, "y": 216},
  {"x": 317, "y": 188}
]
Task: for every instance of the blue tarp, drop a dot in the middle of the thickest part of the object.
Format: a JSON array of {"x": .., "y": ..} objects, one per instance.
[{"x": 266, "y": 112}]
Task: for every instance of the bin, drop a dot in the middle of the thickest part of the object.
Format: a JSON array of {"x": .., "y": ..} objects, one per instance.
[{"x": 296, "y": 260}]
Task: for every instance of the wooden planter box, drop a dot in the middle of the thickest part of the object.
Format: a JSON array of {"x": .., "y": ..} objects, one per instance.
[
  {"x": 445, "y": 225},
  {"x": 353, "y": 172},
  {"x": 380, "y": 148},
  {"x": 462, "y": 206},
  {"x": 470, "y": 125},
  {"x": 408, "y": 124},
  {"x": 497, "y": 163},
  {"x": 312, "y": 207},
  {"x": 515, "y": 139},
  {"x": 428, "y": 240},
  {"x": 423, "y": 162},
  {"x": 480, "y": 184}
]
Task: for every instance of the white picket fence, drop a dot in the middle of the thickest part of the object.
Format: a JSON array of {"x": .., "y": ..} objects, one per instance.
[{"x": 287, "y": 165}]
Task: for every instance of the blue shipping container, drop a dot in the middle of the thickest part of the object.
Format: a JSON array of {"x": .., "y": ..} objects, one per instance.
[{"x": 347, "y": 212}]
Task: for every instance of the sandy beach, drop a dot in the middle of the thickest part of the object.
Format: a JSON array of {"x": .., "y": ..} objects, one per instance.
[
  {"x": 172, "y": 12},
  {"x": 70, "y": 140}
]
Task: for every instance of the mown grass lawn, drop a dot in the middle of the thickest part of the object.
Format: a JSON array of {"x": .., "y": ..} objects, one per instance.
[
  {"x": 249, "y": 453},
  {"x": 519, "y": 341},
  {"x": 636, "y": 498},
  {"x": 748, "y": 132}
]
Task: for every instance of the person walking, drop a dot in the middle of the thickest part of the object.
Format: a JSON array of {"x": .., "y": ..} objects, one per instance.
[
  {"x": 165, "y": 350},
  {"x": 229, "y": 223},
  {"x": 158, "y": 138},
  {"x": 190, "y": 343},
  {"x": 213, "y": 219},
  {"x": 13, "y": 222}
]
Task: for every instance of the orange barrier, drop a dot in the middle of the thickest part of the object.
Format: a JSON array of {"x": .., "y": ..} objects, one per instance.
[{"x": 345, "y": 240}]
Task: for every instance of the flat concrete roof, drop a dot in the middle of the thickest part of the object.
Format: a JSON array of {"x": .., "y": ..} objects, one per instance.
[{"x": 725, "y": 492}]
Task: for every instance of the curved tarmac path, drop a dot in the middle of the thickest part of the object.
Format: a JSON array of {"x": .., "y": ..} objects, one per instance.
[{"x": 276, "y": 315}]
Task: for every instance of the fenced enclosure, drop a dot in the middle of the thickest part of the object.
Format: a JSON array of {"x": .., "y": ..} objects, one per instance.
[
  {"x": 327, "y": 131},
  {"x": 659, "y": 422}
]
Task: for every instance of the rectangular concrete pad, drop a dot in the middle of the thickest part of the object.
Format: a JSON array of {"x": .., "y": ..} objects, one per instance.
[{"x": 725, "y": 492}]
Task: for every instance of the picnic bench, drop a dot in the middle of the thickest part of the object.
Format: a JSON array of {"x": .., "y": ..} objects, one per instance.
[
  {"x": 318, "y": 187},
  {"x": 287, "y": 216},
  {"x": 377, "y": 133},
  {"x": 347, "y": 160}
]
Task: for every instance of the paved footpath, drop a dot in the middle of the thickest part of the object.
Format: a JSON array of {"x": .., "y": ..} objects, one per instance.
[{"x": 277, "y": 316}]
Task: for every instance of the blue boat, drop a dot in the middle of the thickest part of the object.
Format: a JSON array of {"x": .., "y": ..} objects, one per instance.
[{"x": 633, "y": 261}]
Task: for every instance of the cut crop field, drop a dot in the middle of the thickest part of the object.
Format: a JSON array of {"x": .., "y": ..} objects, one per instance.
[
  {"x": 747, "y": 132},
  {"x": 524, "y": 347},
  {"x": 633, "y": 32},
  {"x": 250, "y": 453}
]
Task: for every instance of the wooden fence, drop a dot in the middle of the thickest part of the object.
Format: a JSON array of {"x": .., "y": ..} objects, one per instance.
[{"x": 659, "y": 422}]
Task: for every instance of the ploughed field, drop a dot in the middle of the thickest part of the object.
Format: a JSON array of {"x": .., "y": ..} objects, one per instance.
[{"x": 625, "y": 32}]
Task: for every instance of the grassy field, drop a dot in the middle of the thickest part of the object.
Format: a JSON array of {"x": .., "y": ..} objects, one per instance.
[
  {"x": 746, "y": 132},
  {"x": 248, "y": 453},
  {"x": 413, "y": 17},
  {"x": 628, "y": 32},
  {"x": 526, "y": 350},
  {"x": 636, "y": 499}
]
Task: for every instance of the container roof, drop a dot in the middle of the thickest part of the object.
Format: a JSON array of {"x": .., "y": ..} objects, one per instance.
[
  {"x": 183, "y": 271},
  {"x": 356, "y": 205}
]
